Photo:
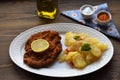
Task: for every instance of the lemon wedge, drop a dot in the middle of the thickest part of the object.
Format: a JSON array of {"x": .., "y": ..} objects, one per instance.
[{"x": 39, "y": 45}]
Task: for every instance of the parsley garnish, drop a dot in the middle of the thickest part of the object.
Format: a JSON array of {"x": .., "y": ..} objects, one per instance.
[
  {"x": 76, "y": 37},
  {"x": 86, "y": 47}
]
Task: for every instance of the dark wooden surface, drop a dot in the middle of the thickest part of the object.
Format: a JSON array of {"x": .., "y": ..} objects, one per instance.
[{"x": 19, "y": 15}]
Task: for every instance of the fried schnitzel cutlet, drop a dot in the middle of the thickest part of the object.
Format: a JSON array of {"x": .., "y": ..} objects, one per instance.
[{"x": 47, "y": 57}]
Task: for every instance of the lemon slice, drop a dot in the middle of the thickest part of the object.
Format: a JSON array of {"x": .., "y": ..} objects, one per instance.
[{"x": 39, "y": 45}]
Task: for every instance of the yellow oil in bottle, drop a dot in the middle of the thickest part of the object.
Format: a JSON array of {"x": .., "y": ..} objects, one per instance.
[{"x": 47, "y": 8}]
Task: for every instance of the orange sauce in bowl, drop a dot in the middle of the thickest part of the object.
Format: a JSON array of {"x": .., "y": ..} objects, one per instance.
[{"x": 103, "y": 16}]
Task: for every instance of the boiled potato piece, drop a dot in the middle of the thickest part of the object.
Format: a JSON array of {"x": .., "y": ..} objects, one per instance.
[
  {"x": 89, "y": 58},
  {"x": 83, "y": 35},
  {"x": 69, "y": 56},
  {"x": 96, "y": 51},
  {"x": 92, "y": 40},
  {"x": 62, "y": 57},
  {"x": 78, "y": 61},
  {"x": 76, "y": 46},
  {"x": 69, "y": 38},
  {"x": 102, "y": 46}
]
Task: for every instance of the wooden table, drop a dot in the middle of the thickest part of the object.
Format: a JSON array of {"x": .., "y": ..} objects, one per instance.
[{"x": 17, "y": 16}]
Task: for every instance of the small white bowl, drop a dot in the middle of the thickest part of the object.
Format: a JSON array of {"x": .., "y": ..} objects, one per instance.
[
  {"x": 103, "y": 17},
  {"x": 87, "y": 11}
]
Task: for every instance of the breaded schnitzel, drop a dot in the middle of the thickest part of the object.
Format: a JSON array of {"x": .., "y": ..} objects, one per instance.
[{"x": 47, "y": 57}]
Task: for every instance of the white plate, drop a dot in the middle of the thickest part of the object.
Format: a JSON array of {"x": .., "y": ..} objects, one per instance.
[{"x": 59, "y": 69}]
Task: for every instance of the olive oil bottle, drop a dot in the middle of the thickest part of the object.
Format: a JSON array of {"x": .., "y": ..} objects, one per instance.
[{"x": 47, "y": 8}]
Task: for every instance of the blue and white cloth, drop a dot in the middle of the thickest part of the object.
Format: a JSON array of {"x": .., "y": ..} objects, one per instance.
[{"x": 110, "y": 30}]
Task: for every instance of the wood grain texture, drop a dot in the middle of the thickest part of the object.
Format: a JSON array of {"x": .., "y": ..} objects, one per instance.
[{"x": 17, "y": 16}]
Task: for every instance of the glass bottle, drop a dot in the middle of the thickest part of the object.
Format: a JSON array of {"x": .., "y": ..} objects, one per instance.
[{"x": 47, "y": 8}]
